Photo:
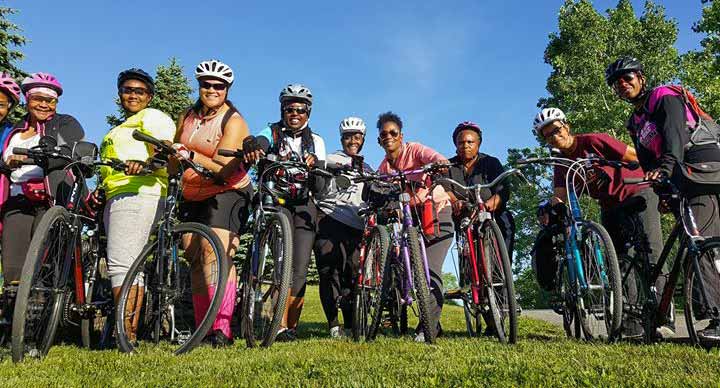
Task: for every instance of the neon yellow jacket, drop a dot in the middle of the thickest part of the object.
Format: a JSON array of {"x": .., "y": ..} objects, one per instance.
[{"x": 119, "y": 144}]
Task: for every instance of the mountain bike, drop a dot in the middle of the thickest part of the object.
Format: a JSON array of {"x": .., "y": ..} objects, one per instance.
[
  {"x": 654, "y": 307},
  {"x": 588, "y": 286},
  {"x": 173, "y": 290},
  {"x": 64, "y": 282},
  {"x": 405, "y": 276},
  {"x": 485, "y": 272}
]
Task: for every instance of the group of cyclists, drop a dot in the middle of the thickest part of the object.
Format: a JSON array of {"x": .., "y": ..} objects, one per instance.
[{"x": 326, "y": 219}]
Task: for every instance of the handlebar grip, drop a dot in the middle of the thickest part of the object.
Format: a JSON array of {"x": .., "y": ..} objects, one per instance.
[
  {"x": 631, "y": 181},
  {"x": 230, "y": 153},
  {"x": 632, "y": 165},
  {"x": 20, "y": 151},
  {"x": 137, "y": 135}
]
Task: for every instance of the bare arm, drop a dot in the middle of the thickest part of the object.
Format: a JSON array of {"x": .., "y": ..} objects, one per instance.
[{"x": 630, "y": 155}]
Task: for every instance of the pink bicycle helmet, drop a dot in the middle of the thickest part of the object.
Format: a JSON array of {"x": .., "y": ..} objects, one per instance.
[
  {"x": 43, "y": 80},
  {"x": 466, "y": 125},
  {"x": 10, "y": 87}
]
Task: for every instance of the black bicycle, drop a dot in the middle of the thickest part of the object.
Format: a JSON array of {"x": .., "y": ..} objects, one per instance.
[
  {"x": 173, "y": 290},
  {"x": 65, "y": 279}
]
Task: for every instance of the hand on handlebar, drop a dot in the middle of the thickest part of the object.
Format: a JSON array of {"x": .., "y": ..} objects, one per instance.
[
  {"x": 134, "y": 167},
  {"x": 458, "y": 206},
  {"x": 655, "y": 175},
  {"x": 15, "y": 161},
  {"x": 310, "y": 159},
  {"x": 182, "y": 151}
]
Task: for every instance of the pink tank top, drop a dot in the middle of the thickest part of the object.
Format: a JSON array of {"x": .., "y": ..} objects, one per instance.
[{"x": 202, "y": 135}]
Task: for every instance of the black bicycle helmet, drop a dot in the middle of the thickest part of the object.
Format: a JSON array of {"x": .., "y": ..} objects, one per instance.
[
  {"x": 621, "y": 66},
  {"x": 138, "y": 74}
]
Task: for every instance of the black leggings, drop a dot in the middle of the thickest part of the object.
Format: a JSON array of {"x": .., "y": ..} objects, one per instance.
[
  {"x": 20, "y": 217},
  {"x": 303, "y": 221},
  {"x": 337, "y": 254}
]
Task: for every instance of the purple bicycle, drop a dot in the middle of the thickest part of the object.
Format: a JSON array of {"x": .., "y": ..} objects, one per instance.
[{"x": 406, "y": 276}]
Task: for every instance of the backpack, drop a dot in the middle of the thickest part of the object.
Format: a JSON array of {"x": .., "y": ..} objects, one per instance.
[{"x": 704, "y": 130}]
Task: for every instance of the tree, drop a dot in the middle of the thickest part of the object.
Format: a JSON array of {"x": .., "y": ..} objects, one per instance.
[
  {"x": 10, "y": 42},
  {"x": 587, "y": 42},
  {"x": 700, "y": 70},
  {"x": 172, "y": 93}
]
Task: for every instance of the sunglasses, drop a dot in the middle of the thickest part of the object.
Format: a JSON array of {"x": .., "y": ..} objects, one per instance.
[
  {"x": 627, "y": 78},
  {"x": 136, "y": 91},
  {"x": 385, "y": 134},
  {"x": 290, "y": 110},
  {"x": 47, "y": 100},
  {"x": 207, "y": 85}
]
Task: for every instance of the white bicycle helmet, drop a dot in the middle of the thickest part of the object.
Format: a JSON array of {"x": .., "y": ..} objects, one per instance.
[
  {"x": 215, "y": 69},
  {"x": 547, "y": 116},
  {"x": 352, "y": 125}
]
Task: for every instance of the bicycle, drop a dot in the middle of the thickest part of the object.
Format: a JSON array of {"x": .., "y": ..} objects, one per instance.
[
  {"x": 64, "y": 280},
  {"x": 693, "y": 249},
  {"x": 179, "y": 273},
  {"x": 405, "y": 277},
  {"x": 589, "y": 283},
  {"x": 484, "y": 268}
]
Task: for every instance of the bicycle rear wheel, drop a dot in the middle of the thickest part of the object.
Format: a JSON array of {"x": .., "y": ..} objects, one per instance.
[
  {"x": 500, "y": 288},
  {"x": 40, "y": 296},
  {"x": 428, "y": 325},
  {"x": 699, "y": 312},
  {"x": 600, "y": 305},
  {"x": 370, "y": 280},
  {"x": 267, "y": 278},
  {"x": 172, "y": 293}
]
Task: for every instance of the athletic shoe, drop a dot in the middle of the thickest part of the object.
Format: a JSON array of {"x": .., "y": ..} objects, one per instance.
[
  {"x": 286, "y": 335},
  {"x": 336, "y": 332},
  {"x": 711, "y": 332}
]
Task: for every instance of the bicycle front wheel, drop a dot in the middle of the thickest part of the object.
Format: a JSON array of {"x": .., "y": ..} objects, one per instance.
[
  {"x": 40, "y": 296},
  {"x": 428, "y": 325},
  {"x": 701, "y": 313},
  {"x": 267, "y": 278},
  {"x": 500, "y": 288},
  {"x": 369, "y": 281},
  {"x": 600, "y": 304},
  {"x": 173, "y": 291}
]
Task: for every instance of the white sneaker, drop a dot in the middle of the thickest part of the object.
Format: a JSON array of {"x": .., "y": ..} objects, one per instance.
[
  {"x": 420, "y": 337},
  {"x": 665, "y": 332},
  {"x": 336, "y": 332}
]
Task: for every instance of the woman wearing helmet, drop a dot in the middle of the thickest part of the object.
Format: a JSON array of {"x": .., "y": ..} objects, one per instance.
[
  {"x": 134, "y": 202},
  {"x": 26, "y": 192},
  {"x": 400, "y": 155},
  {"x": 606, "y": 184},
  {"x": 292, "y": 138},
  {"x": 340, "y": 229},
  {"x": 660, "y": 126},
  {"x": 213, "y": 123}
]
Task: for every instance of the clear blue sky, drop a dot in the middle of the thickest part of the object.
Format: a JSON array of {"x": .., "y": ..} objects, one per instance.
[{"x": 434, "y": 63}]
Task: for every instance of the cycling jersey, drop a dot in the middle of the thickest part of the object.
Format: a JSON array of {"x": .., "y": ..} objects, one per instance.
[
  {"x": 284, "y": 144},
  {"x": 119, "y": 144},
  {"x": 343, "y": 205}
]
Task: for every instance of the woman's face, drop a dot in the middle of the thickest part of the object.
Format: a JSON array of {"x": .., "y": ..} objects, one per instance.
[
  {"x": 213, "y": 92},
  {"x": 134, "y": 95},
  {"x": 5, "y": 104},
  {"x": 628, "y": 85},
  {"x": 40, "y": 106},
  {"x": 467, "y": 144},
  {"x": 295, "y": 115},
  {"x": 390, "y": 137}
]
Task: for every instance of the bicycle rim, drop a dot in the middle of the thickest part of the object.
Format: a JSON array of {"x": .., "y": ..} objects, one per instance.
[{"x": 170, "y": 297}]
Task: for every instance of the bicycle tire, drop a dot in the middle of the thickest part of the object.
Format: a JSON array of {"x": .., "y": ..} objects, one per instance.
[
  {"x": 278, "y": 291},
  {"x": 708, "y": 250},
  {"x": 501, "y": 291},
  {"x": 49, "y": 241},
  {"x": 611, "y": 306},
  {"x": 369, "y": 283},
  {"x": 421, "y": 289},
  {"x": 94, "y": 329},
  {"x": 151, "y": 306},
  {"x": 636, "y": 310}
]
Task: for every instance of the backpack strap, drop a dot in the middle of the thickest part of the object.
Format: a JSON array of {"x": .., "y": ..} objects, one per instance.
[{"x": 228, "y": 114}]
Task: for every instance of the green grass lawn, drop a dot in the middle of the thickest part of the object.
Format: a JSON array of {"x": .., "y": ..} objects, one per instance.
[{"x": 542, "y": 357}]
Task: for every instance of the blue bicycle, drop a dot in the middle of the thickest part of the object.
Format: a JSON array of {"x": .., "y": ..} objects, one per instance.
[{"x": 588, "y": 290}]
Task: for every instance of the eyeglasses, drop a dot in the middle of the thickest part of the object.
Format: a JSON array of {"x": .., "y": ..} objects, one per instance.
[
  {"x": 393, "y": 134},
  {"x": 47, "y": 100},
  {"x": 627, "y": 78},
  {"x": 218, "y": 86},
  {"x": 291, "y": 110},
  {"x": 353, "y": 136},
  {"x": 136, "y": 91},
  {"x": 556, "y": 130}
]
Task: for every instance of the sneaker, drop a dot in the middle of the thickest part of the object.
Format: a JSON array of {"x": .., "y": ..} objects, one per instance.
[
  {"x": 665, "y": 331},
  {"x": 420, "y": 337},
  {"x": 218, "y": 339},
  {"x": 711, "y": 332},
  {"x": 336, "y": 332},
  {"x": 286, "y": 335}
]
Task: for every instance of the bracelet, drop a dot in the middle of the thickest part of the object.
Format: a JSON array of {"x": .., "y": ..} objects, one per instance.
[{"x": 192, "y": 155}]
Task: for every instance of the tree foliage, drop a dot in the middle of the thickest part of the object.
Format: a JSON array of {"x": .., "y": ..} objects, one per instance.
[
  {"x": 701, "y": 69},
  {"x": 11, "y": 40},
  {"x": 172, "y": 93},
  {"x": 587, "y": 42}
]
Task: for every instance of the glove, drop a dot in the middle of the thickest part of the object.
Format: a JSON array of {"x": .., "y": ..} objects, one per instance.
[{"x": 182, "y": 151}]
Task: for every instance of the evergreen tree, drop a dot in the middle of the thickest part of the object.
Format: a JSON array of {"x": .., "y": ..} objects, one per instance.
[{"x": 11, "y": 41}]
